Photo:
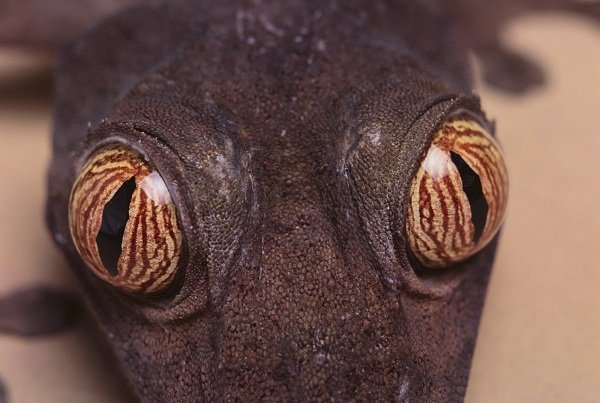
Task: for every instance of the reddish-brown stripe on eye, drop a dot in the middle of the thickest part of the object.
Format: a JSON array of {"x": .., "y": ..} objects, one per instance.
[
  {"x": 455, "y": 210},
  {"x": 144, "y": 233}
]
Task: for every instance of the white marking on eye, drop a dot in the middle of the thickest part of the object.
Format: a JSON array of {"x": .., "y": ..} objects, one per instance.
[
  {"x": 154, "y": 186},
  {"x": 436, "y": 163}
]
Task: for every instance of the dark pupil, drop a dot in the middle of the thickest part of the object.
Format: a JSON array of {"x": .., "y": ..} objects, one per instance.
[
  {"x": 114, "y": 219},
  {"x": 474, "y": 191}
]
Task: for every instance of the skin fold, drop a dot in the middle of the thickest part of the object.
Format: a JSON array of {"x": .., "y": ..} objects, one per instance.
[{"x": 288, "y": 136}]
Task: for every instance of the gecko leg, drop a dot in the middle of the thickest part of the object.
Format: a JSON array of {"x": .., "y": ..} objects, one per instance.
[
  {"x": 482, "y": 22},
  {"x": 38, "y": 311}
]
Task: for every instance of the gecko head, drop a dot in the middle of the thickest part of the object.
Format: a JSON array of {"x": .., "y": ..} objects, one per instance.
[{"x": 287, "y": 224}]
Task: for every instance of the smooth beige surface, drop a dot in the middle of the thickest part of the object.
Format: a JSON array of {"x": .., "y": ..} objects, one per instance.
[{"x": 540, "y": 333}]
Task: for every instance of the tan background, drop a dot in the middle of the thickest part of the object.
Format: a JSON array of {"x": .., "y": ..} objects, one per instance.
[{"x": 540, "y": 334}]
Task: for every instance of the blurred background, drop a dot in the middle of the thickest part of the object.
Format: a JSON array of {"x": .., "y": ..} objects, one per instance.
[{"x": 539, "y": 337}]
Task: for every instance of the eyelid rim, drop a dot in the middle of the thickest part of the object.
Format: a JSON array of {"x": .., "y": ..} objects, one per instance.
[
  {"x": 169, "y": 306},
  {"x": 444, "y": 282},
  {"x": 398, "y": 273},
  {"x": 102, "y": 272}
]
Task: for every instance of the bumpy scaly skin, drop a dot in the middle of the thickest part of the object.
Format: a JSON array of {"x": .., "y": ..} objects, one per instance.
[
  {"x": 288, "y": 136},
  {"x": 152, "y": 240},
  {"x": 439, "y": 225}
]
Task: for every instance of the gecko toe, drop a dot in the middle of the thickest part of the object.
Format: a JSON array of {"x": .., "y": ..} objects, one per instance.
[
  {"x": 510, "y": 72},
  {"x": 38, "y": 310}
]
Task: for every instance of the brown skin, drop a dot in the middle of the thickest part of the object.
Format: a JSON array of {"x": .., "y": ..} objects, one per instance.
[{"x": 297, "y": 282}]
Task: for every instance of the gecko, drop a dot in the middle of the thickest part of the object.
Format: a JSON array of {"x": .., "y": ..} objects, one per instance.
[{"x": 287, "y": 144}]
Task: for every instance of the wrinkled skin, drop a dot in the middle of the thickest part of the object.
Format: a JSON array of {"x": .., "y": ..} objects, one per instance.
[{"x": 288, "y": 138}]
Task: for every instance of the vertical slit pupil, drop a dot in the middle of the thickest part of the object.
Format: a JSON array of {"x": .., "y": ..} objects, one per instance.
[
  {"x": 474, "y": 191},
  {"x": 114, "y": 219}
]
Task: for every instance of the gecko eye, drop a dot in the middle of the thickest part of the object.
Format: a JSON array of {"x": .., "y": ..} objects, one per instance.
[
  {"x": 123, "y": 222},
  {"x": 459, "y": 195}
]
